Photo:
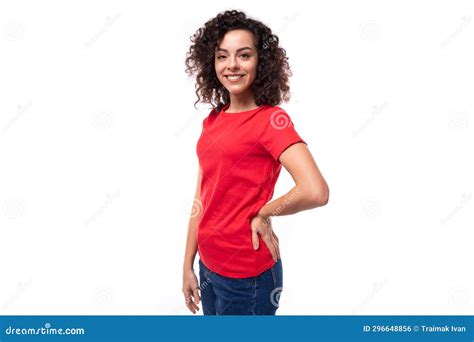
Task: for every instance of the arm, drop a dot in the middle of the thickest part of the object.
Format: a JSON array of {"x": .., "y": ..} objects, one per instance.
[
  {"x": 310, "y": 190},
  {"x": 191, "y": 241},
  {"x": 190, "y": 282}
]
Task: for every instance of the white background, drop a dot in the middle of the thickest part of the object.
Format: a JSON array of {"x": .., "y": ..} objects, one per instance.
[{"x": 98, "y": 165}]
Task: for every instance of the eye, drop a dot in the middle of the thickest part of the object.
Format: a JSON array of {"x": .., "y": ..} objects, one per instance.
[
  {"x": 245, "y": 55},
  {"x": 220, "y": 57}
]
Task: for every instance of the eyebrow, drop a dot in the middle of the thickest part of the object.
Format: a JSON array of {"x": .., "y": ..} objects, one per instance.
[{"x": 244, "y": 48}]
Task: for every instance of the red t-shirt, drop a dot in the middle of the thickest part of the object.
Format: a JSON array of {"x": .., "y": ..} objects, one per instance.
[{"x": 238, "y": 154}]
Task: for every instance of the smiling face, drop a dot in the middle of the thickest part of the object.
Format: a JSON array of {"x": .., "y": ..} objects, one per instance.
[{"x": 236, "y": 61}]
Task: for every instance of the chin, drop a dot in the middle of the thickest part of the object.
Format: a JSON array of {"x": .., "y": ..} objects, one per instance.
[{"x": 235, "y": 91}]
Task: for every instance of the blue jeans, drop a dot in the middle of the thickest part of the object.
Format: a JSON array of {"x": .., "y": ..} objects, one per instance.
[{"x": 258, "y": 295}]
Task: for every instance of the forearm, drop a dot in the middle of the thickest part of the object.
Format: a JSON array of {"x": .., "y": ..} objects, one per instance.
[
  {"x": 191, "y": 245},
  {"x": 299, "y": 198}
]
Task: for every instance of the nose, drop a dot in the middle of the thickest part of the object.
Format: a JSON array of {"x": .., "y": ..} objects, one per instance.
[{"x": 233, "y": 63}]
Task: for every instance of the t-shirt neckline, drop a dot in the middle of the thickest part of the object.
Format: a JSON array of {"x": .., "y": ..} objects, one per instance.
[{"x": 239, "y": 113}]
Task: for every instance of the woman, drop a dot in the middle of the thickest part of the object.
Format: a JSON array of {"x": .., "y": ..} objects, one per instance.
[{"x": 246, "y": 138}]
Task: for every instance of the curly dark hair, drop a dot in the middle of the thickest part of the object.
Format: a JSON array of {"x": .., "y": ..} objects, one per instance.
[{"x": 271, "y": 83}]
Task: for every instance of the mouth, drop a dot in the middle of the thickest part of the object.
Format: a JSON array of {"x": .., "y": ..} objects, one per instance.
[{"x": 234, "y": 78}]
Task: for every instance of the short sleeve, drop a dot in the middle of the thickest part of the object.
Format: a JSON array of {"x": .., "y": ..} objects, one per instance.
[
  {"x": 279, "y": 132},
  {"x": 206, "y": 119},
  {"x": 203, "y": 124}
]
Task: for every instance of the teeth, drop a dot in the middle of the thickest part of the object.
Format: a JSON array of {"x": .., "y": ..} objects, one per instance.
[{"x": 234, "y": 77}]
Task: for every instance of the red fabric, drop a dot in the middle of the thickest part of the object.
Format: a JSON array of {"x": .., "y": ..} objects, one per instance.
[{"x": 238, "y": 154}]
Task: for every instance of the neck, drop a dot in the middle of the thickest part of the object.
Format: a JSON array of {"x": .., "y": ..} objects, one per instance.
[{"x": 241, "y": 102}]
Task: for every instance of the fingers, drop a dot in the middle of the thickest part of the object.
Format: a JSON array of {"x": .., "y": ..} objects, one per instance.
[
  {"x": 192, "y": 306},
  {"x": 275, "y": 236},
  {"x": 190, "y": 303},
  {"x": 197, "y": 298},
  {"x": 277, "y": 244},
  {"x": 271, "y": 247},
  {"x": 255, "y": 241},
  {"x": 191, "y": 291},
  {"x": 269, "y": 238},
  {"x": 277, "y": 247}
]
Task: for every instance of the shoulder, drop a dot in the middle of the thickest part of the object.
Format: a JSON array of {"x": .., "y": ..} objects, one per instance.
[
  {"x": 210, "y": 117},
  {"x": 273, "y": 111},
  {"x": 275, "y": 116}
]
